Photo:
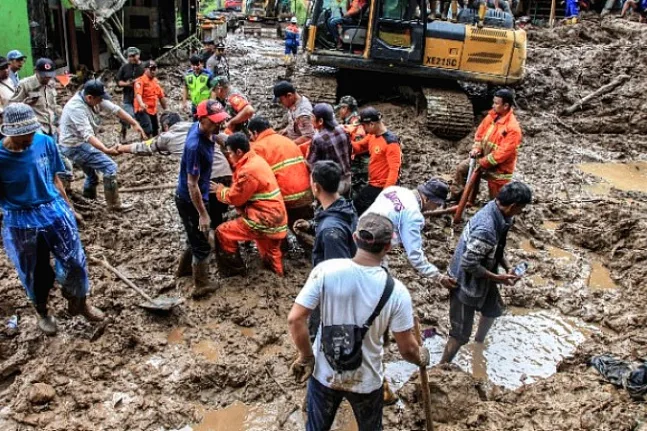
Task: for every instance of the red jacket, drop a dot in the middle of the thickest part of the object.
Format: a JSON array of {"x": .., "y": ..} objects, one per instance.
[
  {"x": 498, "y": 139},
  {"x": 289, "y": 167},
  {"x": 256, "y": 195},
  {"x": 386, "y": 158}
]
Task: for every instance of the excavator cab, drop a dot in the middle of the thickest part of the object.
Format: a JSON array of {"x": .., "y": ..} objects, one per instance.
[{"x": 401, "y": 42}]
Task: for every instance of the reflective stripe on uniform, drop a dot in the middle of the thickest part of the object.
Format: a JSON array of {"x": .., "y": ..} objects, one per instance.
[
  {"x": 295, "y": 196},
  {"x": 287, "y": 162},
  {"x": 497, "y": 176},
  {"x": 265, "y": 196},
  {"x": 491, "y": 160},
  {"x": 223, "y": 194},
  {"x": 265, "y": 229}
]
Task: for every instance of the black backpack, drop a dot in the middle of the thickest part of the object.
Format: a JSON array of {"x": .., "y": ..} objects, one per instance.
[{"x": 342, "y": 344}]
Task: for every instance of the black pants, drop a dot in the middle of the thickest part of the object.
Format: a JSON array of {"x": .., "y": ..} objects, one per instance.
[
  {"x": 217, "y": 209},
  {"x": 196, "y": 239},
  {"x": 366, "y": 198},
  {"x": 43, "y": 275},
  {"x": 149, "y": 123}
]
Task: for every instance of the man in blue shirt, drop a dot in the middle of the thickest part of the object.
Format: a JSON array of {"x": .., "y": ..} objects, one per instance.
[
  {"x": 192, "y": 195},
  {"x": 38, "y": 218},
  {"x": 475, "y": 266}
]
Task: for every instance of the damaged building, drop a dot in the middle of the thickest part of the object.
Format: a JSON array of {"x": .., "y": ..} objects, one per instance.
[{"x": 93, "y": 34}]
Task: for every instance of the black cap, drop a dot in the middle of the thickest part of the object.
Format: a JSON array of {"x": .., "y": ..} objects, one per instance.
[
  {"x": 195, "y": 60},
  {"x": 506, "y": 95},
  {"x": 282, "y": 88},
  {"x": 95, "y": 88},
  {"x": 149, "y": 64},
  {"x": 208, "y": 41},
  {"x": 220, "y": 45},
  {"x": 3, "y": 62},
  {"x": 369, "y": 115},
  {"x": 46, "y": 67},
  {"x": 219, "y": 81}
]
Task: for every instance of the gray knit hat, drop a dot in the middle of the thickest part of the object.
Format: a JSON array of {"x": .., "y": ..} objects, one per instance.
[{"x": 19, "y": 119}]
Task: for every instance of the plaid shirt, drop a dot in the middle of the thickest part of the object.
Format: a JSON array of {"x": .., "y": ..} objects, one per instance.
[{"x": 331, "y": 145}]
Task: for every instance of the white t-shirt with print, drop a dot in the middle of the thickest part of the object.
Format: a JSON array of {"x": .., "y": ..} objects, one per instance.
[{"x": 351, "y": 295}]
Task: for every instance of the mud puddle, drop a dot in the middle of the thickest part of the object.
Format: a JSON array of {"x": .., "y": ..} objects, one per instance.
[
  {"x": 522, "y": 347},
  {"x": 623, "y": 176},
  {"x": 600, "y": 277},
  {"x": 208, "y": 349},
  {"x": 554, "y": 252}
]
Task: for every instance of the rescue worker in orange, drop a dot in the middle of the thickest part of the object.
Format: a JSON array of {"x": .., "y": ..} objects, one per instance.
[
  {"x": 385, "y": 160},
  {"x": 236, "y": 105},
  {"x": 495, "y": 147},
  {"x": 288, "y": 165},
  {"x": 147, "y": 92},
  {"x": 348, "y": 113},
  {"x": 256, "y": 195},
  {"x": 352, "y": 16}
]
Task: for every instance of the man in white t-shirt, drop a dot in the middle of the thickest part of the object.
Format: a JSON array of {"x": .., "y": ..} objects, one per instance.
[
  {"x": 404, "y": 207},
  {"x": 348, "y": 292}
]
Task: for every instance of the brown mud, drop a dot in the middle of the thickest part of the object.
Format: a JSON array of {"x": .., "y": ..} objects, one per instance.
[{"x": 205, "y": 365}]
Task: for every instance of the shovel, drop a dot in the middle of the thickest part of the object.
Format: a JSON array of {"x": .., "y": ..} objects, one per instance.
[{"x": 161, "y": 303}]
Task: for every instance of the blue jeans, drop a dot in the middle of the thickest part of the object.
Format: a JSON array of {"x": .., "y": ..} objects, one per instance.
[
  {"x": 334, "y": 22},
  {"x": 90, "y": 160},
  {"x": 323, "y": 402}
]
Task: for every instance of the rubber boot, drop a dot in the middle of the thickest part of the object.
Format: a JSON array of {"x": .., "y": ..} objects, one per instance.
[
  {"x": 482, "y": 11},
  {"x": 230, "y": 265},
  {"x": 184, "y": 268},
  {"x": 432, "y": 15},
  {"x": 91, "y": 313},
  {"x": 201, "y": 285},
  {"x": 124, "y": 134},
  {"x": 111, "y": 193},
  {"x": 90, "y": 192},
  {"x": 390, "y": 397},
  {"x": 46, "y": 323}
]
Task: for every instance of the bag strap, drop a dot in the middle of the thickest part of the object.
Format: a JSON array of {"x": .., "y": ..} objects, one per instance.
[{"x": 388, "y": 290}]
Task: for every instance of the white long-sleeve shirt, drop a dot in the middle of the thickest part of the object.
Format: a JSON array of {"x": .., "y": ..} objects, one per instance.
[{"x": 402, "y": 207}]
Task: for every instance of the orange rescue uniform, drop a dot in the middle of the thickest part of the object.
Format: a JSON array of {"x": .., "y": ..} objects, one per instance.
[
  {"x": 498, "y": 139},
  {"x": 288, "y": 165},
  {"x": 151, "y": 91},
  {"x": 256, "y": 195},
  {"x": 385, "y": 158}
]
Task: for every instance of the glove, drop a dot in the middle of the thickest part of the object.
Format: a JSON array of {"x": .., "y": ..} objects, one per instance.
[
  {"x": 425, "y": 357},
  {"x": 302, "y": 368}
]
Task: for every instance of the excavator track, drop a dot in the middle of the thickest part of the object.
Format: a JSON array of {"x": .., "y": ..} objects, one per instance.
[
  {"x": 449, "y": 113},
  {"x": 320, "y": 87}
]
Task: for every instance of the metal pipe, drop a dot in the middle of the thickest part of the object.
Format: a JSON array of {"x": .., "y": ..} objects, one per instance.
[{"x": 465, "y": 197}]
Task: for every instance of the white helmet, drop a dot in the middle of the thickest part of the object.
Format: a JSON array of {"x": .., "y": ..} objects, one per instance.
[{"x": 293, "y": 20}]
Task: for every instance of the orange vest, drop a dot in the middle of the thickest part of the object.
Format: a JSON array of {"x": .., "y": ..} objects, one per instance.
[
  {"x": 498, "y": 140},
  {"x": 257, "y": 197},
  {"x": 150, "y": 90},
  {"x": 289, "y": 167}
]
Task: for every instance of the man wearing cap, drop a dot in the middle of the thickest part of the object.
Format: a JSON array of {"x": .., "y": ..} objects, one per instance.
[
  {"x": 330, "y": 143},
  {"x": 218, "y": 64},
  {"x": 496, "y": 142},
  {"x": 126, "y": 77},
  {"x": 148, "y": 92},
  {"x": 348, "y": 112},
  {"x": 192, "y": 194},
  {"x": 299, "y": 127},
  {"x": 197, "y": 86},
  {"x": 16, "y": 62},
  {"x": 78, "y": 142},
  {"x": 6, "y": 86},
  {"x": 38, "y": 219},
  {"x": 291, "y": 40},
  {"x": 383, "y": 147},
  {"x": 352, "y": 294},
  {"x": 263, "y": 218},
  {"x": 475, "y": 265},
  {"x": 405, "y": 207},
  {"x": 39, "y": 92},
  {"x": 236, "y": 105}
]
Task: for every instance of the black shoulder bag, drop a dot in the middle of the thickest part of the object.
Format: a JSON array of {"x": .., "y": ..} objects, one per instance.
[{"x": 342, "y": 344}]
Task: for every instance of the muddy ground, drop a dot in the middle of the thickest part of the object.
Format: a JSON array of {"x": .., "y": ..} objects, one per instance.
[{"x": 140, "y": 371}]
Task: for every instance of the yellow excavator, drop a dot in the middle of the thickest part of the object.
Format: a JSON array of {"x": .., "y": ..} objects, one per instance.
[{"x": 399, "y": 46}]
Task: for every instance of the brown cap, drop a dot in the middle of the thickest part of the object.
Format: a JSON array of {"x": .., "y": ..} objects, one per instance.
[{"x": 374, "y": 229}]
